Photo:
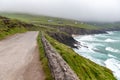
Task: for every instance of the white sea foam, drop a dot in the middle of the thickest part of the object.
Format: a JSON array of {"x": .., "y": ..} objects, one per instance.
[
  {"x": 110, "y": 32},
  {"x": 111, "y": 40},
  {"x": 101, "y": 35},
  {"x": 111, "y": 56},
  {"x": 114, "y": 65},
  {"x": 112, "y": 49},
  {"x": 95, "y": 45},
  {"x": 87, "y": 54},
  {"x": 86, "y": 38}
]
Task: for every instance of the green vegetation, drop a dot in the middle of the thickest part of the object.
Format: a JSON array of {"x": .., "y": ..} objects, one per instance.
[
  {"x": 12, "y": 31},
  {"x": 84, "y": 68},
  {"x": 46, "y": 20},
  {"x": 9, "y": 27},
  {"x": 106, "y": 25},
  {"x": 44, "y": 59}
]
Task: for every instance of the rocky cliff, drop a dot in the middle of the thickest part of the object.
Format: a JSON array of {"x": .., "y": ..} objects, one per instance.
[
  {"x": 64, "y": 34},
  {"x": 64, "y": 38}
]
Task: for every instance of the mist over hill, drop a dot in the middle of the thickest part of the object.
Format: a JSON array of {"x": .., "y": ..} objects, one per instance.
[{"x": 83, "y": 10}]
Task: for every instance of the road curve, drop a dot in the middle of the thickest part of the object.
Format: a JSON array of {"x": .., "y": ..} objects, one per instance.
[{"x": 19, "y": 58}]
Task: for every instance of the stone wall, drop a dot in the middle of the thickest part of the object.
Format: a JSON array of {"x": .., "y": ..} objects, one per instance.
[{"x": 59, "y": 68}]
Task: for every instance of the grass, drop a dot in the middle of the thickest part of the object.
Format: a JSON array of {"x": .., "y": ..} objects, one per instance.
[
  {"x": 43, "y": 20},
  {"x": 44, "y": 59},
  {"x": 12, "y": 31},
  {"x": 10, "y": 27},
  {"x": 84, "y": 68}
]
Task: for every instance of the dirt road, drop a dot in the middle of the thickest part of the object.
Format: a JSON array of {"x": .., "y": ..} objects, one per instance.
[{"x": 19, "y": 58}]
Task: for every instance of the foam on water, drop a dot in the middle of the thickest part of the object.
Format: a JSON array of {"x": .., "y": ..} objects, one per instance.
[
  {"x": 114, "y": 65},
  {"x": 95, "y": 48},
  {"x": 112, "y": 49},
  {"x": 86, "y": 38},
  {"x": 110, "y": 32},
  {"x": 111, "y": 56},
  {"x": 111, "y": 40},
  {"x": 88, "y": 55}
]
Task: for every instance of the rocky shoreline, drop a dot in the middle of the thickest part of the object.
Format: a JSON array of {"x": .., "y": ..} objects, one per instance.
[{"x": 67, "y": 36}]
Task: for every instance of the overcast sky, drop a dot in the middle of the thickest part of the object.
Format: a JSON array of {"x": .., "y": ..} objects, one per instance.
[{"x": 86, "y": 10}]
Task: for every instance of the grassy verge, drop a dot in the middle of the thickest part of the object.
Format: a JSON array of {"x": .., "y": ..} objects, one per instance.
[
  {"x": 84, "y": 68},
  {"x": 44, "y": 59},
  {"x": 11, "y": 31}
]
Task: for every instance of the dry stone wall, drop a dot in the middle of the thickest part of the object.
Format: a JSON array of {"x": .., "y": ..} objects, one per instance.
[{"x": 59, "y": 68}]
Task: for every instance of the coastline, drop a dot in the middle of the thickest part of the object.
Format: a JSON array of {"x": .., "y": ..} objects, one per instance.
[{"x": 107, "y": 63}]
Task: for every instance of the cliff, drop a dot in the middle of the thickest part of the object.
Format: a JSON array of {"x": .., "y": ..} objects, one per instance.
[
  {"x": 64, "y": 38},
  {"x": 84, "y": 68},
  {"x": 79, "y": 31},
  {"x": 64, "y": 34}
]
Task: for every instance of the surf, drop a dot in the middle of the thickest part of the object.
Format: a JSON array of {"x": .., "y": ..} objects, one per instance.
[{"x": 103, "y": 49}]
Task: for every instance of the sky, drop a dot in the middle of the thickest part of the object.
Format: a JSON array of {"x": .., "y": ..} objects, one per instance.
[{"x": 83, "y": 10}]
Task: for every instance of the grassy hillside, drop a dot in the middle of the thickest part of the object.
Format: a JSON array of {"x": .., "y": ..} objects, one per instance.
[
  {"x": 40, "y": 20},
  {"x": 9, "y": 27},
  {"x": 84, "y": 68},
  {"x": 45, "y": 20},
  {"x": 106, "y": 25}
]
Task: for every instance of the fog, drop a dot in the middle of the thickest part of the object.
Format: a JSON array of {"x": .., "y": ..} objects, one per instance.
[{"x": 84, "y": 10}]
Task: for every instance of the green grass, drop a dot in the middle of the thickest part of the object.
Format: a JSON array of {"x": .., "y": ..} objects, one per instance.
[
  {"x": 84, "y": 68},
  {"x": 12, "y": 31},
  {"x": 44, "y": 59},
  {"x": 43, "y": 20},
  {"x": 9, "y": 27}
]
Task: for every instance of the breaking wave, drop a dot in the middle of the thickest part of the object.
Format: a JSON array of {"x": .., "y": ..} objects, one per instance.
[
  {"x": 112, "y": 49},
  {"x": 111, "y": 40}
]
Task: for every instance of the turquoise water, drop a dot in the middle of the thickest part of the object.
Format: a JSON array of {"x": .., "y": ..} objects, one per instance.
[{"x": 103, "y": 49}]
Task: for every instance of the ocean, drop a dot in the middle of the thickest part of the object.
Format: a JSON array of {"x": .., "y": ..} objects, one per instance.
[{"x": 103, "y": 49}]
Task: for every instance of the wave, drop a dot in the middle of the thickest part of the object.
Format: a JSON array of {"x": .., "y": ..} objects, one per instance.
[
  {"x": 88, "y": 38},
  {"x": 96, "y": 53},
  {"x": 110, "y": 32},
  {"x": 111, "y": 56},
  {"x": 101, "y": 35},
  {"x": 89, "y": 55},
  {"x": 112, "y": 49},
  {"x": 114, "y": 65},
  {"x": 111, "y": 40}
]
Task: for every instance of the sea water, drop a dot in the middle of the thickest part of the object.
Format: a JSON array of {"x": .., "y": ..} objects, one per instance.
[{"x": 103, "y": 49}]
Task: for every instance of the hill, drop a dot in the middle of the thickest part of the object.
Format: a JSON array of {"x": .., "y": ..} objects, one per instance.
[{"x": 9, "y": 27}]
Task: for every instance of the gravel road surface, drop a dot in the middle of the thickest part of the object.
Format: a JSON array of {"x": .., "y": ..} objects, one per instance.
[{"x": 19, "y": 58}]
